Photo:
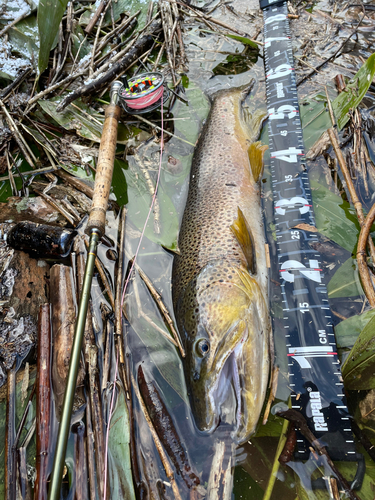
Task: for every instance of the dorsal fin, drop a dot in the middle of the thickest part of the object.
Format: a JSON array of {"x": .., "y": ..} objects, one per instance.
[
  {"x": 256, "y": 152},
  {"x": 242, "y": 232}
]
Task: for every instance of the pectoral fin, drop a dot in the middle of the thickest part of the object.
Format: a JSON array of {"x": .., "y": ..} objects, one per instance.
[
  {"x": 256, "y": 152},
  {"x": 242, "y": 232}
]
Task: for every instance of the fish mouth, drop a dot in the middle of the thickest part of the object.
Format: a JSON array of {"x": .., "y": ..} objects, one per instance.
[{"x": 228, "y": 379}]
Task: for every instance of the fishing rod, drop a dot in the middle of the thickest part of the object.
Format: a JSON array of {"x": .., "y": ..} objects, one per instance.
[
  {"x": 95, "y": 229},
  {"x": 139, "y": 94}
]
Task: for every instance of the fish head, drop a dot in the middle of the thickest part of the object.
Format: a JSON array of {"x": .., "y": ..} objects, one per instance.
[{"x": 222, "y": 329}]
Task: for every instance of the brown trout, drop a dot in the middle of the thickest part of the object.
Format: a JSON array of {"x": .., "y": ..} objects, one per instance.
[{"x": 220, "y": 279}]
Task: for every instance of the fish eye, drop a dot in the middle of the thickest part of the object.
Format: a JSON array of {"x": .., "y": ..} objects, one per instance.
[{"x": 203, "y": 347}]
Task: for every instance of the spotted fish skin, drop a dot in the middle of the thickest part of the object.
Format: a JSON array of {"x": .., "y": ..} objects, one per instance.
[{"x": 221, "y": 306}]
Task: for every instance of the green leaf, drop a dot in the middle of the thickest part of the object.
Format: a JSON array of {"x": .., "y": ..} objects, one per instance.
[
  {"x": 359, "y": 368},
  {"x": 78, "y": 171},
  {"x": 80, "y": 43},
  {"x": 314, "y": 112},
  {"x": 85, "y": 120},
  {"x": 244, "y": 40},
  {"x": 314, "y": 118},
  {"x": 139, "y": 201},
  {"x": 119, "y": 462},
  {"x": 20, "y": 407},
  {"x": 348, "y": 470},
  {"x": 120, "y": 7},
  {"x": 334, "y": 217},
  {"x": 345, "y": 282},
  {"x": 163, "y": 354},
  {"x": 50, "y": 13},
  {"x": 23, "y": 166},
  {"x": 356, "y": 89},
  {"x": 24, "y": 39},
  {"x": 348, "y": 331}
]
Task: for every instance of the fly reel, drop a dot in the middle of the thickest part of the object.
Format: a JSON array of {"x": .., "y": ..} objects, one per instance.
[{"x": 143, "y": 93}]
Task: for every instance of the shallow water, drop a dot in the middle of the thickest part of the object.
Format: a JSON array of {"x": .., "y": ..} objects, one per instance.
[{"x": 216, "y": 62}]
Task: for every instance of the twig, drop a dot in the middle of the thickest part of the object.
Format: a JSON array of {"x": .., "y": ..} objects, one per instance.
[
  {"x": 334, "y": 55},
  {"x": 91, "y": 68},
  {"x": 166, "y": 17},
  {"x": 51, "y": 88},
  {"x": 139, "y": 117},
  {"x": 57, "y": 207},
  {"x": 16, "y": 82},
  {"x": 151, "y": 189},
  {"x": 97, "y": 417},
  {"x": 118, "y": 310},
  {"x": 96, "y": 16},
  {"x": 300, "y": 423},
  {"x": 14, "y": 22},
  {"x": 276, "y": 463},
  {"x": 77, "y": 183},
  {"x": 99, "y": 266},
  {"x": 28, "y": 154},
  {"x": 159, "y": 301},
  {"x": 90, "y": 453},
  {"x": 43, "y": 401},
  {"x": 222, "y": 24},
  {"x": 117, "y": 31},
  {"x": 10, "y": 175},
  {"x": 10, "y": 472},
  {"x": 156, "y": 64},
  {"x": 165, "y": 428},
  {"x": 365, "y": 276},
  {"x": 140, "y": 46},
  {"x": 159, "y": 446},
  {"x": 364, "y": 236}
]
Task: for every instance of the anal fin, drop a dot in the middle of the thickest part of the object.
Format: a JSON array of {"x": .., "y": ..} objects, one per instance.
[
  {"x": 256, "y": 152},
  {"x": 242, "y": 232}
]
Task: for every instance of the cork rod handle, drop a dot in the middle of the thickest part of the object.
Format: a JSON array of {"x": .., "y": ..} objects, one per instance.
[{"x": 104, "y": 168}]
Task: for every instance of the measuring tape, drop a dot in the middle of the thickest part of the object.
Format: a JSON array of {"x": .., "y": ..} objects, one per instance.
[{"x": 314, "y": 368}]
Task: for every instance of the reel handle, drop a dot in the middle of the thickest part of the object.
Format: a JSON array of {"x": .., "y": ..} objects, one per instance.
[{"x": 104, "y": 168}]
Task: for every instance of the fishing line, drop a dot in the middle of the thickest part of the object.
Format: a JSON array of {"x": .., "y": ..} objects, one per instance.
[{"x": 160, "y": 101}]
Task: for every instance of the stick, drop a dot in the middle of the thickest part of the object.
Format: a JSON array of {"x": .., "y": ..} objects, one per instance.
[
  {"x": 300, "y": 423},
  {"x": 333, "y": 55},
  {"x": 14, "y": 22},
  {"x": 141, "y": 45},
  {"x": 10, "y": 473},
  {"x": 16, "y": 82},
  {"x": 164, "y": 311},
  {"x": 43, "y": 401},
  {"x": 159, "y": 447},
  {"x": 28, "y": 154},
  {"x": 95, "y": 17},
  {"x": 361, "y": 252},
  {"x": 77, "y": 183},
  {"x": 364, "y": 235},
  {"x": 81, "y": 468},
  {"x": 90, "y": 454}
]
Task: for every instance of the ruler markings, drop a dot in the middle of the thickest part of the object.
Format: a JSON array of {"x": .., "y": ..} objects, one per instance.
[{"x": 314, "y": 363}]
